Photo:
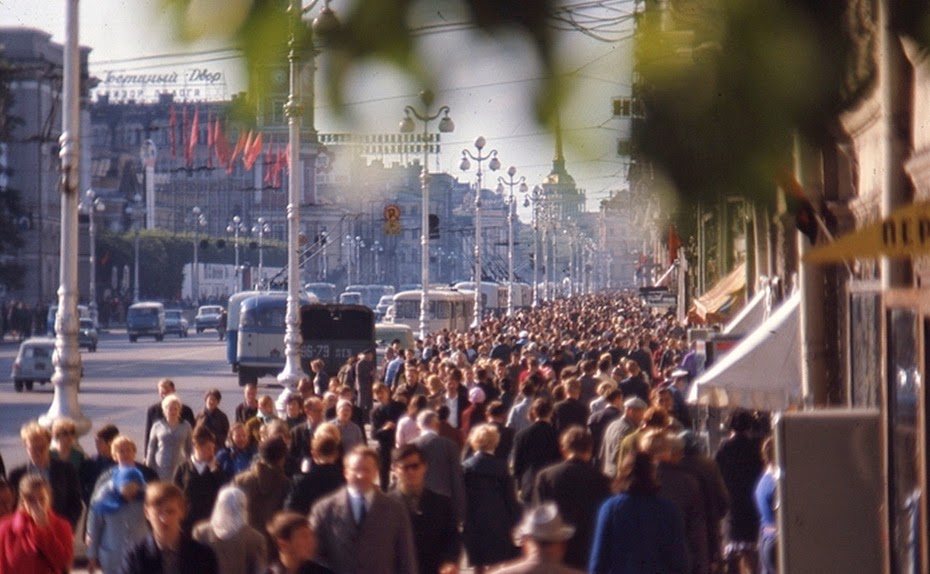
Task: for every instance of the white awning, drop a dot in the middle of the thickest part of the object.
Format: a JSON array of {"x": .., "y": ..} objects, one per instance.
[
  {"x": 750, "y": 316},
  {"x": 763, "y": 371},
  {"x": 722, "y": 293}
]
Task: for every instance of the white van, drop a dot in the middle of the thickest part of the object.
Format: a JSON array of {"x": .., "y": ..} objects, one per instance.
[{"x": 146, "y": 320}]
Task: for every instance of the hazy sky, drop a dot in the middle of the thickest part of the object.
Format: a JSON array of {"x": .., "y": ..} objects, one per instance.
[{"x": 488, "y": 83}]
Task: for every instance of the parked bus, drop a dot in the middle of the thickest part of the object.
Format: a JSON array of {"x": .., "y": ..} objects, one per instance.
[
  {"x": 325, "y": 292},
  {"x": 258, "y": 340},
  {"x": 335, "y": 332},
  {"x": 448, "y": 309},
  {"x": 493, "y": 295}
]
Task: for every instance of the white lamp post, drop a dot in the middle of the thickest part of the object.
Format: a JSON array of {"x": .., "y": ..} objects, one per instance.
[
  {"x": 376, "y": 249},
  {"x": 67, "y": 376},
  {"x": 446, "y": 125},
  {"x": 325, "y": 22},
  {"x": 200, "y": 220},
  {"x": 494, "y": 165},
  {"x": 261, "y": 229},
  {"x": 135, "y": 212},
  {"x": 509, "y": 201},
  {"x": 235, "y": 228},
  {"x": 92, "y": 205},
  {"x": 535, "y": 198},
  {"x": 324, "y": 240}
]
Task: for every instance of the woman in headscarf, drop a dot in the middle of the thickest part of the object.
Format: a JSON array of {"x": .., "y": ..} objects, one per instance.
[
  {"x": 116, "y": 521},
  {"x": 239, "y": 548}
]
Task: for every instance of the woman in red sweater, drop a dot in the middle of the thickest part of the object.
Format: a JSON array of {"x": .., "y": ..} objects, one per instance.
[{"x": 34, "y": 539}]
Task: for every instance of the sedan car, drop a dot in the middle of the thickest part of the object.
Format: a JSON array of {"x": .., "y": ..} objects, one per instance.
[
  {"x": 88, "y": 335},
  {"x": 175, "y": 323},
  {"x": 208, "y": 317}
]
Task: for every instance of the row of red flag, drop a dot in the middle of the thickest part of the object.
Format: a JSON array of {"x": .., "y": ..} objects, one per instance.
[{"x": 249, "y": 146}]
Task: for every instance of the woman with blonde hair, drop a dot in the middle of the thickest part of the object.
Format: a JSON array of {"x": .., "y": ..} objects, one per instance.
[
  {"x": 239, "y": 548},
  {"x": 170, "y": 441},
  {"x": 491, "y": 502}
]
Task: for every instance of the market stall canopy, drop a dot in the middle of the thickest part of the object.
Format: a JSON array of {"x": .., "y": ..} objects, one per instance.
[
  {"x": 723, "y": 293},
  {"x": 750, "y": 316},
  {"x": 763, "y": 371}
]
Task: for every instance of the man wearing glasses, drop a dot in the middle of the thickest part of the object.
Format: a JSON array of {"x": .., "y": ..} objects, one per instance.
[{"x": 435, "y": 531}]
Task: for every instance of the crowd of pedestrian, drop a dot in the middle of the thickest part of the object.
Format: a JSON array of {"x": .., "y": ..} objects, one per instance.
[{"x": 555, "y": 440}]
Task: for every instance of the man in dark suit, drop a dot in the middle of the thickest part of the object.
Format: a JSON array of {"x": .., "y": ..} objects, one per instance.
[
  {"x": 384, "y": 417},
  {"x": 571, "y": 411},
  {"x": 496, "y": 415},
  {"x": 155, "y": 413},
  {"x": 599, "y": 421},
  {"x": 435, "y": 530},
  {"x": 577, "y": 488},
  {"x": 167, "y": 548},
  {"x": 443, "y": 459},
  {"x": 534, "y": 448},
  {"x": 61, "y": 475},
  {"x": 359, "y": 529},
  {"x": 302, "y": 434}
]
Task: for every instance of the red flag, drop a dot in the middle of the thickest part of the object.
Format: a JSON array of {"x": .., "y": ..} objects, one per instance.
[
  {"x": 211, "y": 140},
  {"x": 194, "y": 138},
  {"x": 253, "y": 152},
  {"x": 221, "y": 145},
  {"x": 674, "y": 243},
  {"x": 278, "y": 168},
  {"x": 185, "y": 130},
  {"x": 240, "y": 146},
  {"x": 172, "y": 132},
  {"x": 287, "y": 156},
  {"x": 268, "y": 165}
]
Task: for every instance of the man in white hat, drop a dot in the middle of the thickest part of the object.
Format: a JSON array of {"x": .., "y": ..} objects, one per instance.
[{"x": 543, "y": 535}]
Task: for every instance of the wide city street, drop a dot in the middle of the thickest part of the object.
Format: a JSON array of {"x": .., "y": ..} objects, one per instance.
[{"x": 119, "y": 384}]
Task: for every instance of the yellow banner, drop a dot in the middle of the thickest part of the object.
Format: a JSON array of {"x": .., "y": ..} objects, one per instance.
[{"x": 905, "y": 233}]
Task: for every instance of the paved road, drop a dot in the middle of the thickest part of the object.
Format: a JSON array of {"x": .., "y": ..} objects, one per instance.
[{"x": 119, "y": 384}]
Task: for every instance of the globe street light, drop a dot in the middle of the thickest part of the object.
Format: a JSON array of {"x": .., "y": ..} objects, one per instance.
[
  {"x": 323, "y": 24},
  {"x": 235, "y": 227},
  {"x": 494, "y": 165},
  {"x": 92, "y": 205},
  {"x": 261, "y": 229},
  {"x": 509, "y": 201},
  {"x": 536, "y": 197},
  {"x": 407, "y": 125},
  {"x": 200, "y": 220}
]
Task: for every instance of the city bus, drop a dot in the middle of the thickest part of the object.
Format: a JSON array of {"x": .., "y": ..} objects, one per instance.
[
  {"x": 259, "y": 335},
  {"x": 448, "y": 309},
  {"x": 335, "y": 332},
  {"x": 493, "y": 295}
]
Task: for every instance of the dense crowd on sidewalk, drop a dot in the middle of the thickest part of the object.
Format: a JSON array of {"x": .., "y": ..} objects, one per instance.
[{"x": 555, "y": 440}]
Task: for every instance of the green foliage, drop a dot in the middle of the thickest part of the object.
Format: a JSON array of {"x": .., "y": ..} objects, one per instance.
[
  {"x": 162, "y": 257},
  {"x": 725, "y": 95},
  {"x": 368, "y": 31}
]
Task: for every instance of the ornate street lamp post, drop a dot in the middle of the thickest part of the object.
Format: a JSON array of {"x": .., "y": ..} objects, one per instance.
[
  {"x": 446, "y": 125},
  {"x": 261, "y": 229},
  {"x": 91, "y": 207},
  {"x": 235, "y": 228},
  {"x": 200, "y": 220},
  {"x": 325, "y": 22},
  {"x": 509, "y": 201},
  {"x": 67, "y": 376},
  {"x": 135, "y": 212},
  {"x": 535, "y": 198},
  {"x": 494, "y": 165}
]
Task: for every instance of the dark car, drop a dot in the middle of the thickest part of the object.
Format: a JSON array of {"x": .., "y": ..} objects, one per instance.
[
  {"x": 88, "y": 335},
  {"x": 208, "y": 317},
  {"x": 175, "y": 323}
]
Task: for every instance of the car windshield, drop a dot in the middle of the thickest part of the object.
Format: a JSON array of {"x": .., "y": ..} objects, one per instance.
[
  {"x": 209, "y": 310},
  {"x": 173, "y": 314},
  {"x": 87, "y": 324}
]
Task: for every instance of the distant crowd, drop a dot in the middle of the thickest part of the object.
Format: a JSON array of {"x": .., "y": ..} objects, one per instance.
[{"x": 556, "y": 440}]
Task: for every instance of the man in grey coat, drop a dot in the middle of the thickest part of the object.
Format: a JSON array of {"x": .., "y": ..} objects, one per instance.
[
  {"x": 361, "y": 530},
  {"x": 444, "y": 465}
]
